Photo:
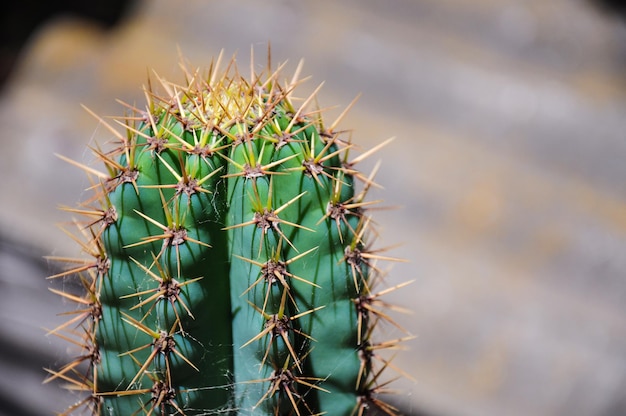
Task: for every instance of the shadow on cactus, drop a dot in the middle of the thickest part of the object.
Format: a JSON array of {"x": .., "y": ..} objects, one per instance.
[{"x": 230, "y": 269}]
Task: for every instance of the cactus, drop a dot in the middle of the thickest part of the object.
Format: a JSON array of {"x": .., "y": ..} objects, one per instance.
[{"x": 230, "y": 268}]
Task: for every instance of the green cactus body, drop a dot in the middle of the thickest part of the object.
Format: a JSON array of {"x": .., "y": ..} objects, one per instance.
[{"x": 231, "y": 274}]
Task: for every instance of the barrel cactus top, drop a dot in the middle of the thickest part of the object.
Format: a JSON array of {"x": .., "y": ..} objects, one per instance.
[{"x": 230, "y": 266}]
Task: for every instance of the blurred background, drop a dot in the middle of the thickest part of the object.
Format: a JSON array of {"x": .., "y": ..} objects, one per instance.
[{"x": 508, "y": 175}]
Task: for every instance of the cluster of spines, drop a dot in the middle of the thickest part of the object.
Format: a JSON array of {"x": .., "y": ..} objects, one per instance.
[{"x": 222, "y": 186}]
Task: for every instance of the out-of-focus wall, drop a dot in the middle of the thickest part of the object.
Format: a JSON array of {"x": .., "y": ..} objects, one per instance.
[{"x": 508, "y": 173}]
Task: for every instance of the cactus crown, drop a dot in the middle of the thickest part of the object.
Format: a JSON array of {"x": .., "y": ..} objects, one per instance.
[{"x": 230, "y": 268}]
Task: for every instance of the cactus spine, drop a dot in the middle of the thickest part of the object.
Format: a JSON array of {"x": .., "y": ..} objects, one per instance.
[{"x": 230, "y": 269}]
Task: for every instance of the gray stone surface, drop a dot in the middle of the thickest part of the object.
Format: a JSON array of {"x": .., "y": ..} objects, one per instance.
[{"x": 508, "y": 169}]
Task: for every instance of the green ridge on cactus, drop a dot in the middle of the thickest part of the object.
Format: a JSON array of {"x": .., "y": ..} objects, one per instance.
[{"x": 231, "y": 270}]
